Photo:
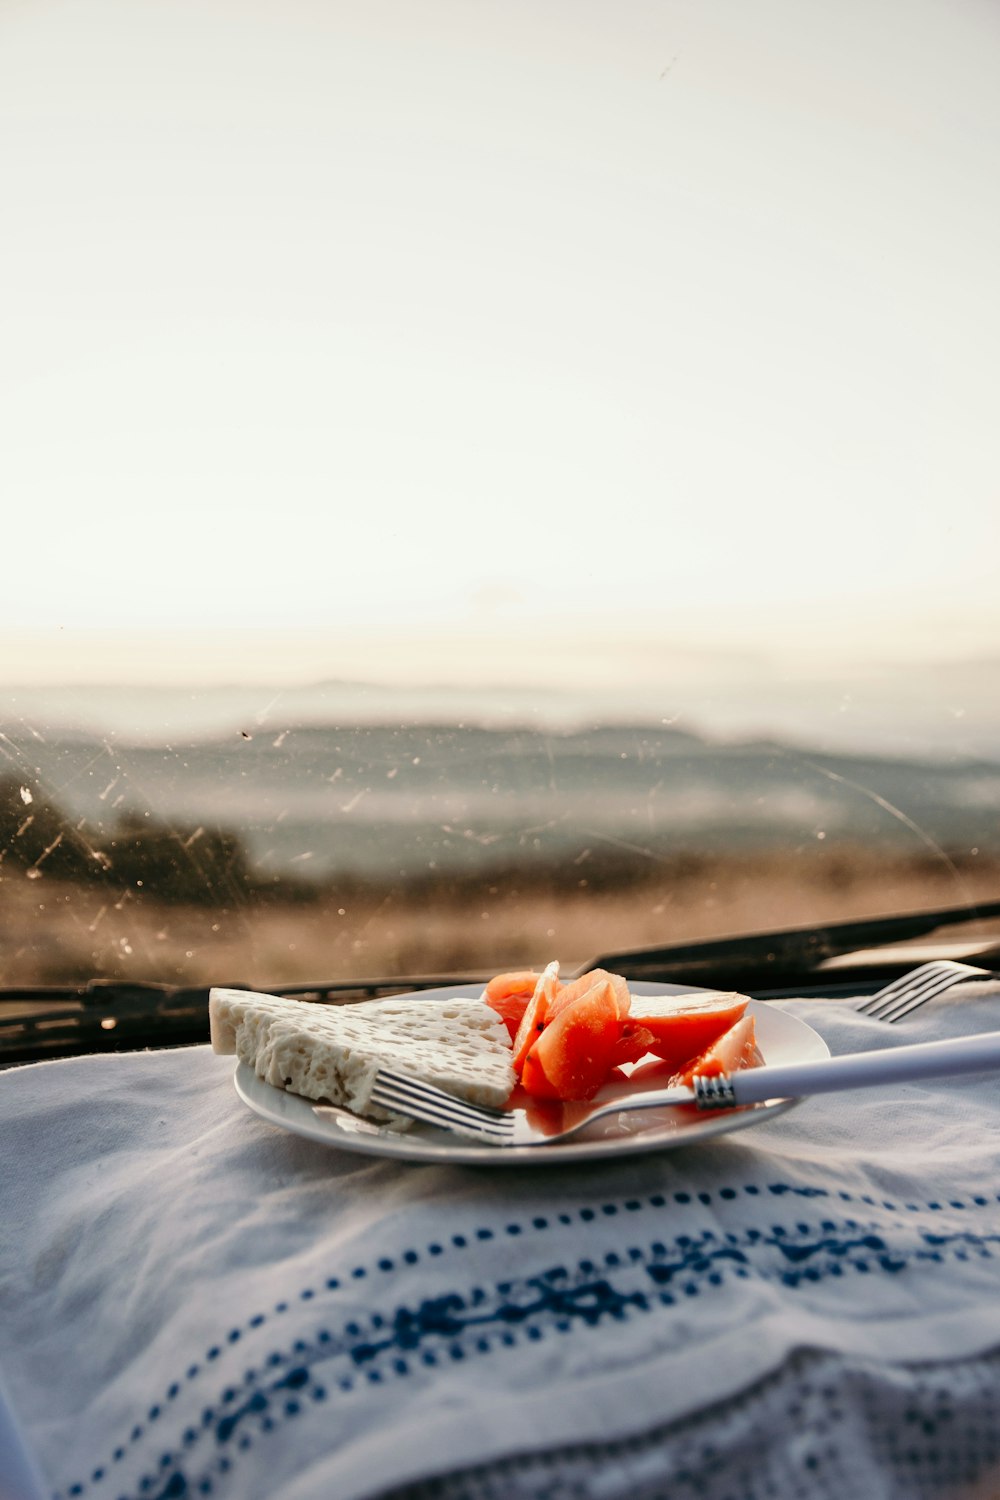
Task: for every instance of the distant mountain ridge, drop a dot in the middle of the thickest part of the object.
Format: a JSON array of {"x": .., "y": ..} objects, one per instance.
[{"x": 914, "y": 710}]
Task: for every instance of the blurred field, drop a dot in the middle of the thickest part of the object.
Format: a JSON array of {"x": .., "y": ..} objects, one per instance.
[{"x": 55, "y": 931}]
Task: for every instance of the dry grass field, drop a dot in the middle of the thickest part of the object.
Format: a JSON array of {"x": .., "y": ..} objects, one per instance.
[{"x": 57, "y": 932}]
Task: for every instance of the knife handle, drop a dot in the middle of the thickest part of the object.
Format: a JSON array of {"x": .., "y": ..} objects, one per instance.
[{"x": 862, "y": 1070}]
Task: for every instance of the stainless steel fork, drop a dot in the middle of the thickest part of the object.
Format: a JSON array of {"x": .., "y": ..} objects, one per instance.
[
  {"x": 914, "y": 989},
  {"x": 543, "y": 1125}
]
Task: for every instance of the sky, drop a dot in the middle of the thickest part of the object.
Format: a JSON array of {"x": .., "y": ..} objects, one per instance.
[{"x": 496, "y": 340}]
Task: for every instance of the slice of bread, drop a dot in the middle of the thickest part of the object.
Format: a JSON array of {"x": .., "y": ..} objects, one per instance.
[{"x": 332, "y": 1052}]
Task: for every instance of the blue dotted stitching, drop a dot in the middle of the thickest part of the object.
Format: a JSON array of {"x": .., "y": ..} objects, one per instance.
[
  {"x": 870, "y": 1242},
  {"x": 586, "y": 1214}
]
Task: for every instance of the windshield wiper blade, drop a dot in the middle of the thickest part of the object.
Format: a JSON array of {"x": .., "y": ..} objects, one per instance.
[
  {"x": 49, "y": 1021},
  {"x": 44, "y": 1021},
  {"x": 789, "y": 955}
]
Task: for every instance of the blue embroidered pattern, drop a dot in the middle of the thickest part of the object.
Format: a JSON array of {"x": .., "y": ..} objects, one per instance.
[{"x": 451, "y": 1327}]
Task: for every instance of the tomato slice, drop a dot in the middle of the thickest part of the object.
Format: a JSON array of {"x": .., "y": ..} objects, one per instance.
[
  {"x": 736, "y": 1048},
  {"x": 574, "y": 1053},
  {"x": 536, "y": 1013},
  {"x": 634, "y": 1042},
  {"x": 518, "y": 982},
  {"x": 576, "y": 987},
  {"x": 682, "y": 1026},
  {"x": 511, "y": 1010},
  {"x": 509, "y": 994}
]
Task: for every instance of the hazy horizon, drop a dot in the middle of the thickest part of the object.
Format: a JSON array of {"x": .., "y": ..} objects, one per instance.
[{"x": 943, "y": 709}]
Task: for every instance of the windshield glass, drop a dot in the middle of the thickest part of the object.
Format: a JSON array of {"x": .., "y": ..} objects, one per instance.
[{"x": 488, "y": 484}]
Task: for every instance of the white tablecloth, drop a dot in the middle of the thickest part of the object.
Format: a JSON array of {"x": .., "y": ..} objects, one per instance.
[{"x": 195, "y": 1302}]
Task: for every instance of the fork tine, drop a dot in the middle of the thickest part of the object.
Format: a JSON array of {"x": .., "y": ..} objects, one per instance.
[
  {"x": 432, "y": 1114},
  {"x": 419, "y": 1088},
  {"x": 936, "y": 969},
  {"x": 918, "y": 985},
  {"x": 422, "y": 1101},
  {"x": 914, "y": 989},
  {"x": 903, "y": 1002},
  {"x": 419, "y": 1104}
]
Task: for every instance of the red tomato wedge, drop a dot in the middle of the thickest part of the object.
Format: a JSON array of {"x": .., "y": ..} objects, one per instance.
[
  {"x": 510, "y": 1009},
  {"x": 634, "y": 1042},
  {"x": 684, "y": 1025},
  {"x": 567, "y": 1039},
  {"x": 518, "y": 982},
  {"x": 536, "y": 1013},
  {"x": 574, "y": 1052},
  {"x": 576, "y": 987},
  {"x": 736, "y": 1048},
  {"x": 509, "y": 995}
]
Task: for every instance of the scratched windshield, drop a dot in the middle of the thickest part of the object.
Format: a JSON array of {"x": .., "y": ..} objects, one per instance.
[{"x": 487, "y": 484}]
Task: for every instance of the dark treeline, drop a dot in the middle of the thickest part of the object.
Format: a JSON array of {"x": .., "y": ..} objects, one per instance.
[
  {"x": 198, "y": 865},
  {"x": 177, "y": 864}
]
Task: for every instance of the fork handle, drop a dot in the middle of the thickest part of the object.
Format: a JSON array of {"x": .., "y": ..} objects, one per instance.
[{"x": 861, "y": 1070}]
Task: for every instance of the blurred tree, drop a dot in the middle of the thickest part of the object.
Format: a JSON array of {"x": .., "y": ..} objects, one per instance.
[{"x": 197, "y": 865}]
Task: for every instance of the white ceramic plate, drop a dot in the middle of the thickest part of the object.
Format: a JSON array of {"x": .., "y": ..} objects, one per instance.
[{"x": 782, "y": 1038}]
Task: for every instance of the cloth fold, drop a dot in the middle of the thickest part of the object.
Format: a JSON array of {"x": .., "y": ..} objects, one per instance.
[{"x": 194, "y": 1302}]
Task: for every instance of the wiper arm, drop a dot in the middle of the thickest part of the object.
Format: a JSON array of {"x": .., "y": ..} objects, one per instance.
[
  {"x": 788, "y": 956},
  {"x": 48, "y": 1021},
  {"x": 111, "y": 1015}
]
